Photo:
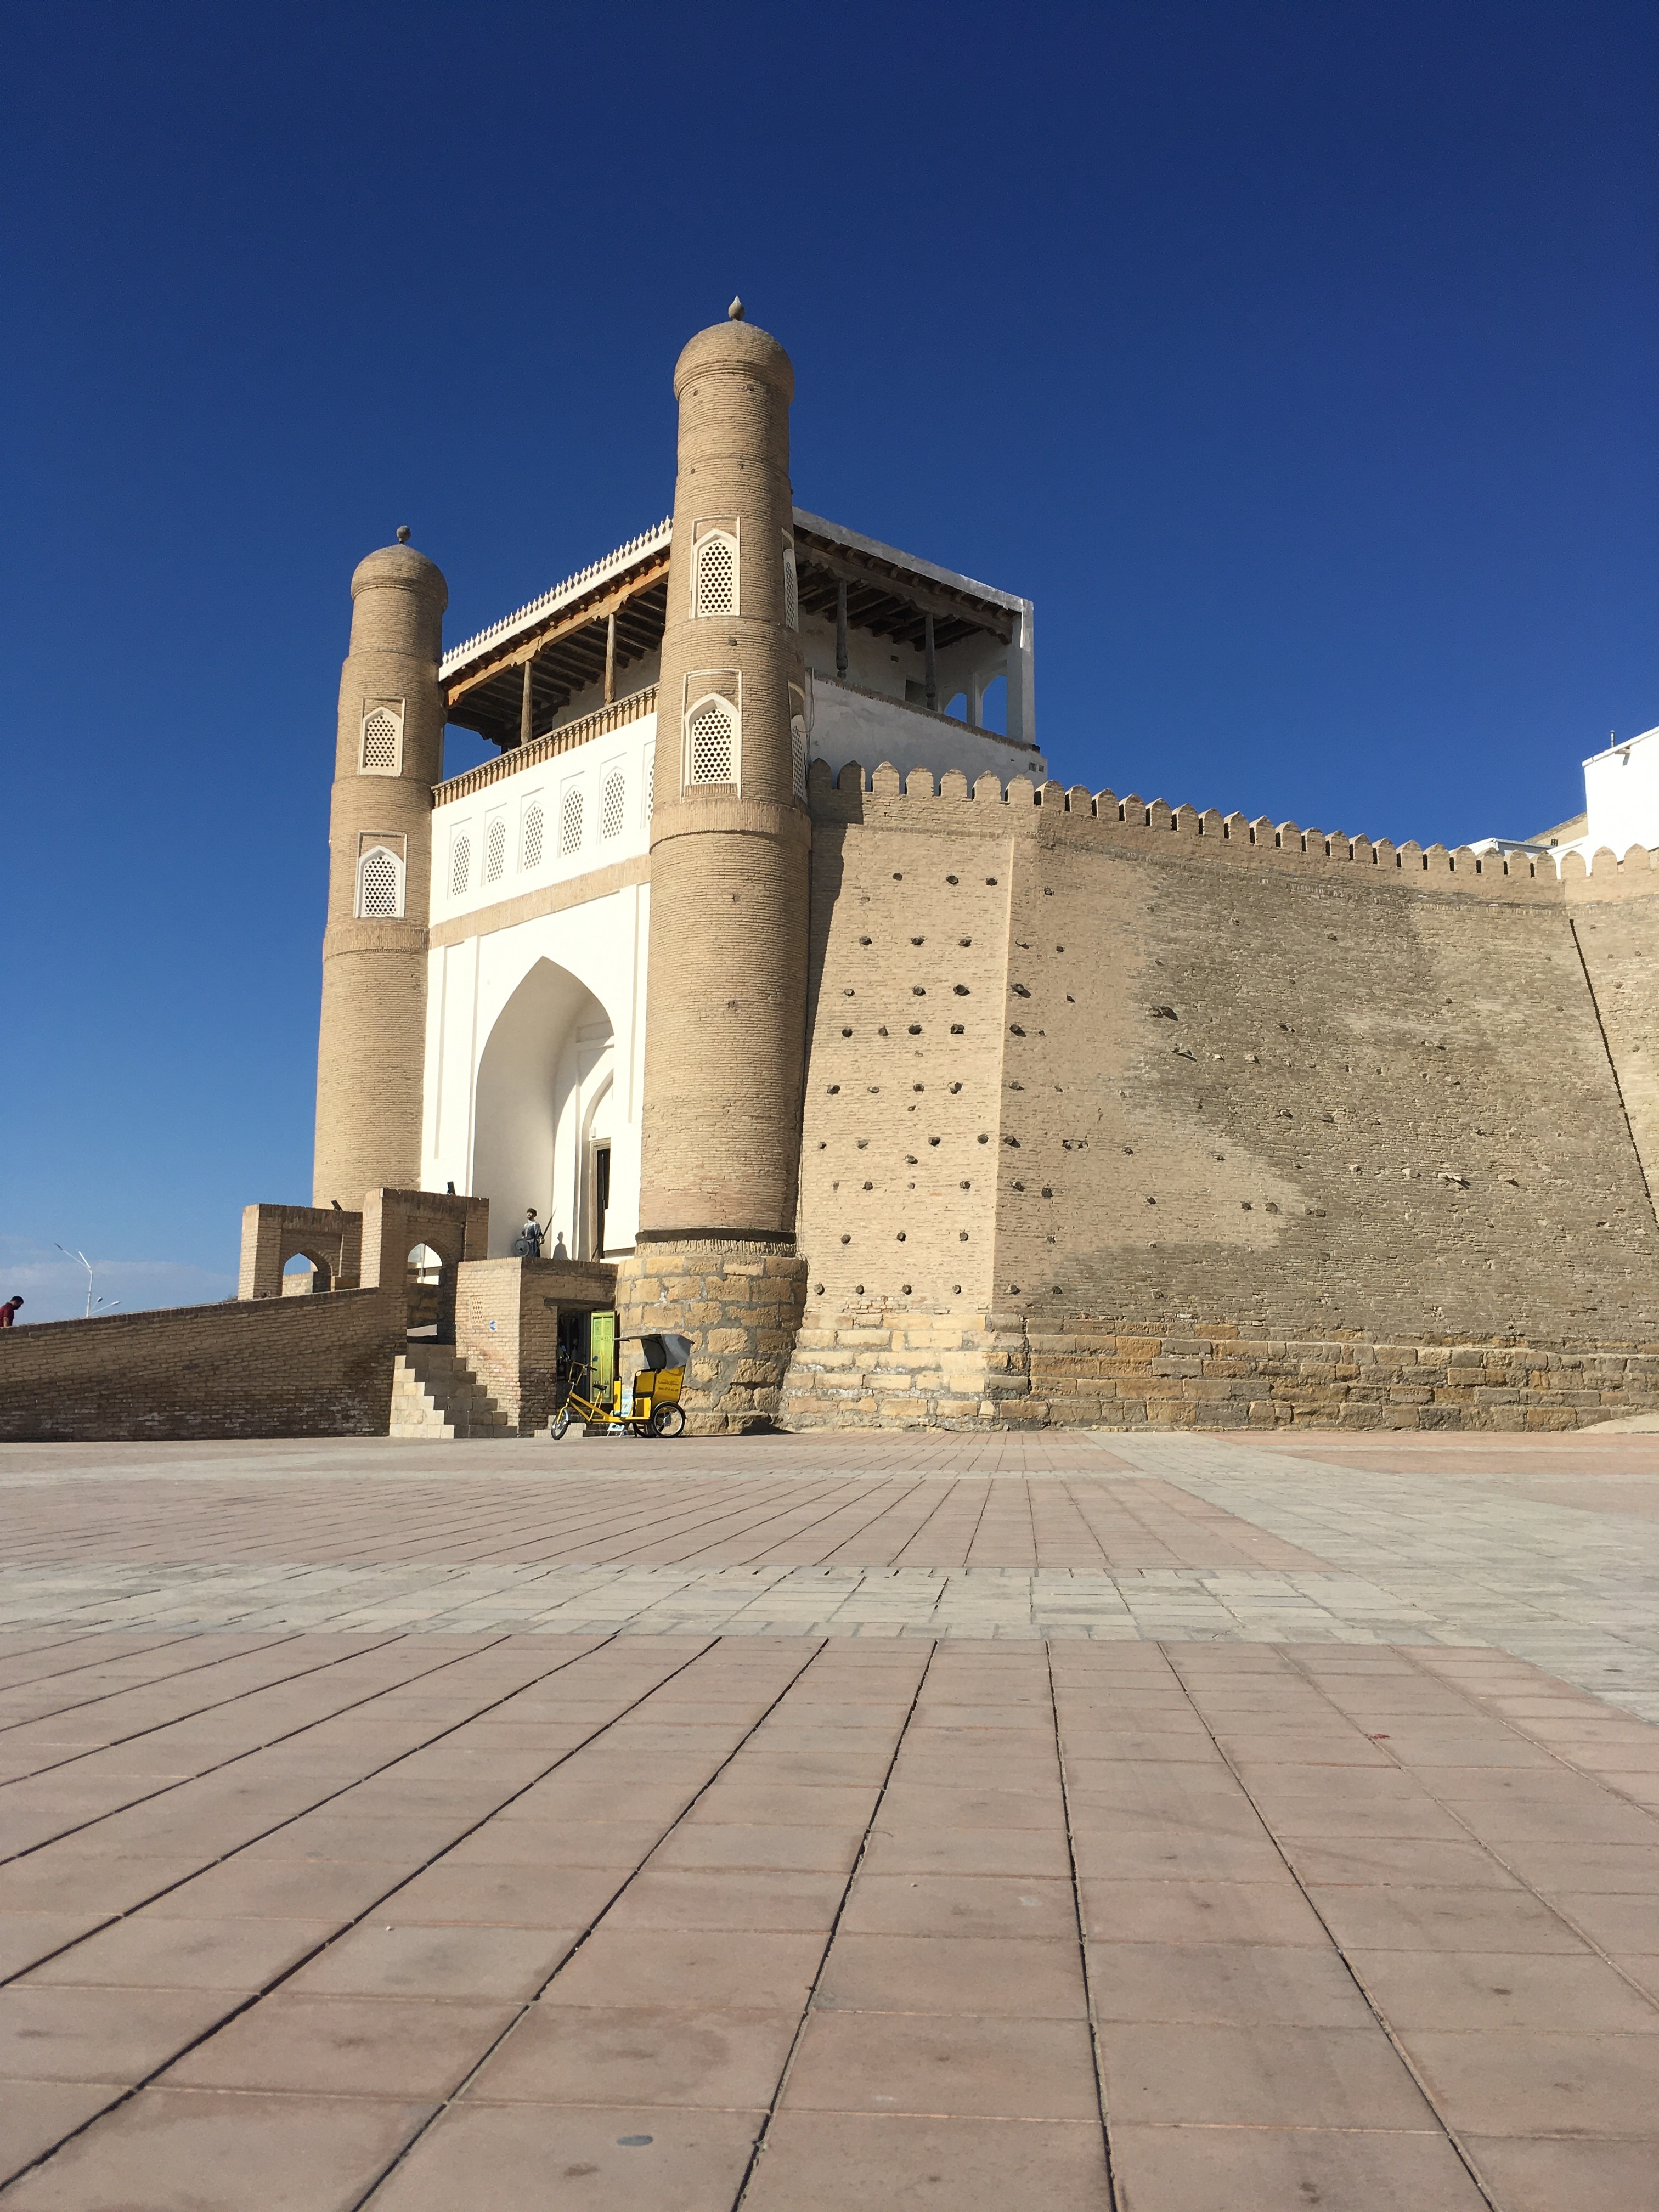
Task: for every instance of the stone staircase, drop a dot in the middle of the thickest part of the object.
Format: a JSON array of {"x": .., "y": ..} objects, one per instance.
[{"x": 436, "y": 1397}]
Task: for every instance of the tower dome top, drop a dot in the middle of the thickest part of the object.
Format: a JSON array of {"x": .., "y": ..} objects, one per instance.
[
  {"x": 400, "y": 568},
  {"x": 733, "y": 348}
]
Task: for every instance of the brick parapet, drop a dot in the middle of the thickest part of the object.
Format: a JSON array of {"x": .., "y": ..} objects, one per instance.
[
  {"x": 1131, "y": 825},
  {"x": 506, "y": 1328},
  {"x": 260, "y": 1367}
]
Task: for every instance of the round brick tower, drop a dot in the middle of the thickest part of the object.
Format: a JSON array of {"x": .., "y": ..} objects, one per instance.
[
  {"x": 372, "y": 1046},
  {"x": 731, "y": 845}
]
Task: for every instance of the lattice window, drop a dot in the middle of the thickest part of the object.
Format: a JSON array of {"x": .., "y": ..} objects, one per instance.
[
  {"x": 380, "y": 885},
  {"x": 615, "y": 799},
  {"x": 461, "y": 865},
  {"x": 529, "y": 855},
  {"x": 650, "y": 779},
  {"x": 791, "y": 587},
  {"x": 717, "y": 574},
  {"x": 798, "y": 753},
  {"x": 710, "y": 729},
  {"x": 382, "y": 739},
  {"x": 570, "y": 819},
  {"x": 495, "y": 850}
]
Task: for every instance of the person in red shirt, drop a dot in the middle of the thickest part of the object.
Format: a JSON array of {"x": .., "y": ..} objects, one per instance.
[{"x": 9, "y": 1312}]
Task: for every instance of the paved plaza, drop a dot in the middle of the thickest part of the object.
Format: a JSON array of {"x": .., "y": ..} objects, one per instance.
[{"x": 804, "y": 1824}]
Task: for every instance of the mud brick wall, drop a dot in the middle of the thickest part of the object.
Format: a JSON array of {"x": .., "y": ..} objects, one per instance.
[
  {"x": 1314, "y": 1099},
  {"x": 269, "y": 1367},
  {"x": 1079, "y": 1064}
]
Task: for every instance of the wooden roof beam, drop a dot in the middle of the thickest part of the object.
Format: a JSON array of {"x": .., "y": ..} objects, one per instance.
[
  {"x": 927, "y": 598},
  {"x": 559, "y": 628}
]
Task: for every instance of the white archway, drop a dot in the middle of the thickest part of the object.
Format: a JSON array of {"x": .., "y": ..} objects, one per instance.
[{"x": 547, "y": 1058}]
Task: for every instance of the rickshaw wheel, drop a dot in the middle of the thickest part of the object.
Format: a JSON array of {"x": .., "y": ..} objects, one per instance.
[
  {"x": 561, "y": 1422},
  {"x": 667, "y": 1421}
]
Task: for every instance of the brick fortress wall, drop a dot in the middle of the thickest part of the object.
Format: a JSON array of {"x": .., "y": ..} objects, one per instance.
[
  {"x": 265, "y": 1367},
  {"x": 1249, "y": 1095}
]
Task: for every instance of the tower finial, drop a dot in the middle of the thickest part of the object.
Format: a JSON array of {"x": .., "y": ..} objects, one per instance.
[
  {"x": 734, "y": 313},
  {"x": 402, "y": 534}
]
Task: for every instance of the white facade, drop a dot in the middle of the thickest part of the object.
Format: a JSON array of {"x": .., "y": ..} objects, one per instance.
[
  {"x": 1621, "y": 806},
  {"x": 536, "y": 1026},
  {"x": 540, "y": 902},
  {"x": 1621, "y": 796}
]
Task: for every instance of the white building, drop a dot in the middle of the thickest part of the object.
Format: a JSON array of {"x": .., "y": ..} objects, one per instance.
[
  {"x": 1621, "y": 806},
  {"x": 536, "y": 990}
]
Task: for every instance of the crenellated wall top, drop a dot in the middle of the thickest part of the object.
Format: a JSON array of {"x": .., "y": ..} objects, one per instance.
[{"x": 1143, "y": 826}]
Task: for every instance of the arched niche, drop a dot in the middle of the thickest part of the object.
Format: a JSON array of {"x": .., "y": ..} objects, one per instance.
[{"x": 545, "y": 1064}]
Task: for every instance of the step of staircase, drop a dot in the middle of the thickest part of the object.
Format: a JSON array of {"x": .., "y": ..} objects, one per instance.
[{"x": 436, "y": 1397}]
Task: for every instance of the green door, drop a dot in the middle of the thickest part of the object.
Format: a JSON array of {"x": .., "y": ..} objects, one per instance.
[{"x": 602, "y": 1350}]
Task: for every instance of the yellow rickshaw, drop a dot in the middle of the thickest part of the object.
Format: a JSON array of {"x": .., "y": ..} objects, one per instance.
[{"x": 651, "y": 1409}]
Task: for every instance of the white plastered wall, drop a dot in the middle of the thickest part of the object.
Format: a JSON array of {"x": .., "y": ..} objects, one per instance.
[{"x": 535, "y": 1045}]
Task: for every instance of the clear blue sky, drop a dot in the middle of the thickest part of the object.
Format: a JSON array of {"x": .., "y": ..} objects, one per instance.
[{"x": 1299, "y": 361}]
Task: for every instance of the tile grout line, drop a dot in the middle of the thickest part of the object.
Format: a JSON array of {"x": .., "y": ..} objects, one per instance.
[
  {"x": 424, "y": 1675},
  {"x": 786, "y": 2069},
  {"x": 536, "y": 1996},
  {"x": 256, "y": 1996},
  {"x": 1092, "y": 2010},
  {"x": 1452, "y": 2134}
]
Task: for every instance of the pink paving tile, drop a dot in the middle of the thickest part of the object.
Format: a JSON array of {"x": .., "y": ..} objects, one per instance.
[
  {"x": 36, "y": 2116},
  {"x": 1617, "y": 1921},
  {"x": 851, "y": 2162},
  {"x": 1235, "y": 1985},
  {"x": 237, "y": 2153},
  {"x": 1023, "y": 1906},
  {"x": 275, "y": 1889},
  {"x": 150, "y": 1952},
  {"x": 28, "y": 1937},
  {"x": 938, "y": 2064},
  {"x": 1200, "y": 1913},
  {"x": 1516, "y": 2081},
  {"x": 704, "y": 1969},
  {"x": 730, "y": 1846},
  {"x": 78, "y": 2035},
  {"x": 522, "y": 2158},
  {"x": 1256, "y": 2169},
  {"x": 1264, "y": 2075},
  {"x": 680, "y": 1896},
  {"x": 1481, "y": 1990},
  {"x": 1398, "y": 1918},
  {"x": 402, "y": 2048},
  {"x": 504, "y": 1896},
  {"x": 905, "y": 1848},
  {"x": 559, "y": 2055},
  {"x": 1541, "y": 2174},
  {"x": 1039, "y": 1978},
  {"x": 382, "y": 1959}
]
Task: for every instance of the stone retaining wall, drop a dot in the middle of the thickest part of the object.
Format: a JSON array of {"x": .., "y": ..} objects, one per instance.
[
  {"x": 1012, "y": 1370},
  {"x": 741, "y": 1305}
]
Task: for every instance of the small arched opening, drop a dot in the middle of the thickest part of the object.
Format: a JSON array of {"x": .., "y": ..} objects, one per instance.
[{"x": 426, "y": 1279}]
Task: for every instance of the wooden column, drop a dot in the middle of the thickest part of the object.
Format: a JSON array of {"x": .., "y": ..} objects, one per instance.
[
  {"x": 840, "y": 630},
  {"x": 526, "y": 708},
  {"x": 930, "y": 673},
  {"x": 609, "y": 657}
]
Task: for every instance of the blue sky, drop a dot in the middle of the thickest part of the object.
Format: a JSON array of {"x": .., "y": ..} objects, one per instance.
[{"x": 1299, "y": 361}]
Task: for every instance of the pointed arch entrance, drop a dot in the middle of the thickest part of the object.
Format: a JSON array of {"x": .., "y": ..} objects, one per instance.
[{"x": 545, "y": 1067}]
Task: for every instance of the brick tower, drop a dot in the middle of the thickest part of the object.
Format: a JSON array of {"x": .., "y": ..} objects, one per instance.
[
  {"x": 730, "y": 858},
  {"x": 371, "y": 1047}
]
